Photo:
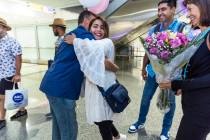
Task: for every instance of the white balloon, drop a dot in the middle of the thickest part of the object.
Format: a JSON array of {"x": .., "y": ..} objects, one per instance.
[{"x": 89, "y": 3}]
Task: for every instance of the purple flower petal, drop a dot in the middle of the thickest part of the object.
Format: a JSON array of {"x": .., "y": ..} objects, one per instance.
[
  {"x": 175, "y": 43},
  {"x": 164, "y": 55},
  {"x": 148, "y": 39},
  {"x": 153, "y": 50}
]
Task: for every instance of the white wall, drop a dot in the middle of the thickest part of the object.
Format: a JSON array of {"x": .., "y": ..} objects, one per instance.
[{"x": 37, "y": 41}]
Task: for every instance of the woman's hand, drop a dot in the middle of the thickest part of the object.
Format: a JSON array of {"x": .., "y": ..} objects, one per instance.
[
  {"x": 165, "y": 85},
  {"x": 178, "y": 92},
  {"x": 110, "y": 66},
  {"x": 69, "y": 39}
]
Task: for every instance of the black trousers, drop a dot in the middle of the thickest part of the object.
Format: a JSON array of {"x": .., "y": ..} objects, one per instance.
[
  {"x": 107, "y": 130},
  {"x": 192, "y": 129}
]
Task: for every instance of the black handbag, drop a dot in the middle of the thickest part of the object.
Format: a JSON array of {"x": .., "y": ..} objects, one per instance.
[
  {"x": 116, "y": 96},
  {"x": 49, "y": 63}
]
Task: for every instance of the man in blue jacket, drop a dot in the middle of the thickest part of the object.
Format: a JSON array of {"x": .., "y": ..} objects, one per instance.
[{"x": 62, "y": 83}]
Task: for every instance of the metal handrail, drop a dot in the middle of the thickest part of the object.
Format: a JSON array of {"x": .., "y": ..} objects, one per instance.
[{"x": 151, "y": 21}]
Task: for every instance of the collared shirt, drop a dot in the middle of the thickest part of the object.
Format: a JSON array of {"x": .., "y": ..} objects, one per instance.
[
  {"x": 174, "y": 27},
  {"x": 64, "y": 77},
  {"x": 9, "y": 49}
]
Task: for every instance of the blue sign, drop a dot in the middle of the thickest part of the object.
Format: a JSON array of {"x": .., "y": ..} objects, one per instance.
[{"x": 18, "y": 97}]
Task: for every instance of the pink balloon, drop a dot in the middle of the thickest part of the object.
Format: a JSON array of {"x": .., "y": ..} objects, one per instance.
[
  {"x": 89, "y": 3},
  {"x": 180, "y": 7},
  {"x": 99, "y": 8}
]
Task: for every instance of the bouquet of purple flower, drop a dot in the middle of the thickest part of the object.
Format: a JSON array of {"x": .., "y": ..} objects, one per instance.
[
  {"x": 168, "y": 52},
  {"x": 166, "y": 45}
]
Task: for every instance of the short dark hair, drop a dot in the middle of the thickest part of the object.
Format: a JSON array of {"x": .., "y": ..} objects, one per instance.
[
  {"x": 171, "y": 3},
  {"x": 204, "y": 10},
  {"x": 85, "y": 14},
  {"x": 105, "y": 24}
]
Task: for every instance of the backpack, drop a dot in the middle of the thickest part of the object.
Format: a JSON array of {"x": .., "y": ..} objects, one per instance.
[{"x": 180, "y": 28}]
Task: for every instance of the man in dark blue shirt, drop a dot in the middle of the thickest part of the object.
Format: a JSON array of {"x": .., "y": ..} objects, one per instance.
[{"x": 62, "y": 83}]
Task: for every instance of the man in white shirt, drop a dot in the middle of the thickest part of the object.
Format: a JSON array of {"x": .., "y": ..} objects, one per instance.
[{"x": 10, "y": 66}]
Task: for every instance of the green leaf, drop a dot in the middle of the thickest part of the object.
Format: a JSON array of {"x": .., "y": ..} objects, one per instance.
[{"x": 142, "y": 40}]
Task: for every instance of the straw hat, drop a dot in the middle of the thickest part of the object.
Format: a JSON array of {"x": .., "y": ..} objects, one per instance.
[
  {"x": 58, "y": 22},
  {"x": 4, "y": 23}
]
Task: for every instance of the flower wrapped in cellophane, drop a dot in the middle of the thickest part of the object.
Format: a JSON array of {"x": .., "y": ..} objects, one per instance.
[{"x": 168, "y": 52}]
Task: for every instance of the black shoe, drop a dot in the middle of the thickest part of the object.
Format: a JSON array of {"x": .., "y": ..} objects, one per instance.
[
  {"x": 2, "y": 124},
  {"x": 48, "y": 115},
  {"x": 19, "y": 114}
]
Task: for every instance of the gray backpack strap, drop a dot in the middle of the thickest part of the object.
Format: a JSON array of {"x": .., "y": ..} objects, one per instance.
[
  {"x": 157, "y": 28},
  {"x": 181, "y": 26}
]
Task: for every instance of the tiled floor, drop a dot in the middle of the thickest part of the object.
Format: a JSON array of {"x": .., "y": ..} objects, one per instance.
[{"x": 37, "y": 127}]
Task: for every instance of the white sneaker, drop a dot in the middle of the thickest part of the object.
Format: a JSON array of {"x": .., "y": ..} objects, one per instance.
[
  {"x": 163, "y": 137},
  {"x": 122, "y": 137},
  {"x": 133, "y": 128}
]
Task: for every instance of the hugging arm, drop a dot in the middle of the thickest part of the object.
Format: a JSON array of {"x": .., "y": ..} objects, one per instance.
[{"x": 110, "y": 66}]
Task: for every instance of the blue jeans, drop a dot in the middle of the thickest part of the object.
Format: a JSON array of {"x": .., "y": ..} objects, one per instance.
[
  {"x": 149, "y": 90},
  {"x": 64, "y": 123}
]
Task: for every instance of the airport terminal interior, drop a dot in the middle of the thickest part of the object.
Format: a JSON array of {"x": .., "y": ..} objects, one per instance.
[{"x": 128, "y": 20}]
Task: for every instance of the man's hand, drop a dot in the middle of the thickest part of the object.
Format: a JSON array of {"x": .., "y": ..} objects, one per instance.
[
  {"x": 69, "y": 39},
  {"x": 16, "y": 78},
  {"x": 145, "y": 63},
  {"x": 144, "y": 74}
]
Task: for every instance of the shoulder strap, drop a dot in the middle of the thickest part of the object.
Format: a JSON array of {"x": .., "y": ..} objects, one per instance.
[
  {"x": 101, "y": 90},
  {"x": 201, "y": 37},
  {"x": 181, "y": 26},
  {"x": 157, "y": 28}
]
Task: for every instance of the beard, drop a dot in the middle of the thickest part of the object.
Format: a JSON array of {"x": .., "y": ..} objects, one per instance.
[
  {"x": 56, "y": 33},
  {"x": 2, "y": 35},
  {"x": 162, "y": 18}
]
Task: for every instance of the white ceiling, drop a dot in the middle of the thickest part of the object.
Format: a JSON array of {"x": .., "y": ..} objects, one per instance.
[
  {"x": 131, "y": 7},
  {"x": 23, "y": 14},
  {"x": 127, "y": 17},
  {"x": 57, "y": 3}
]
